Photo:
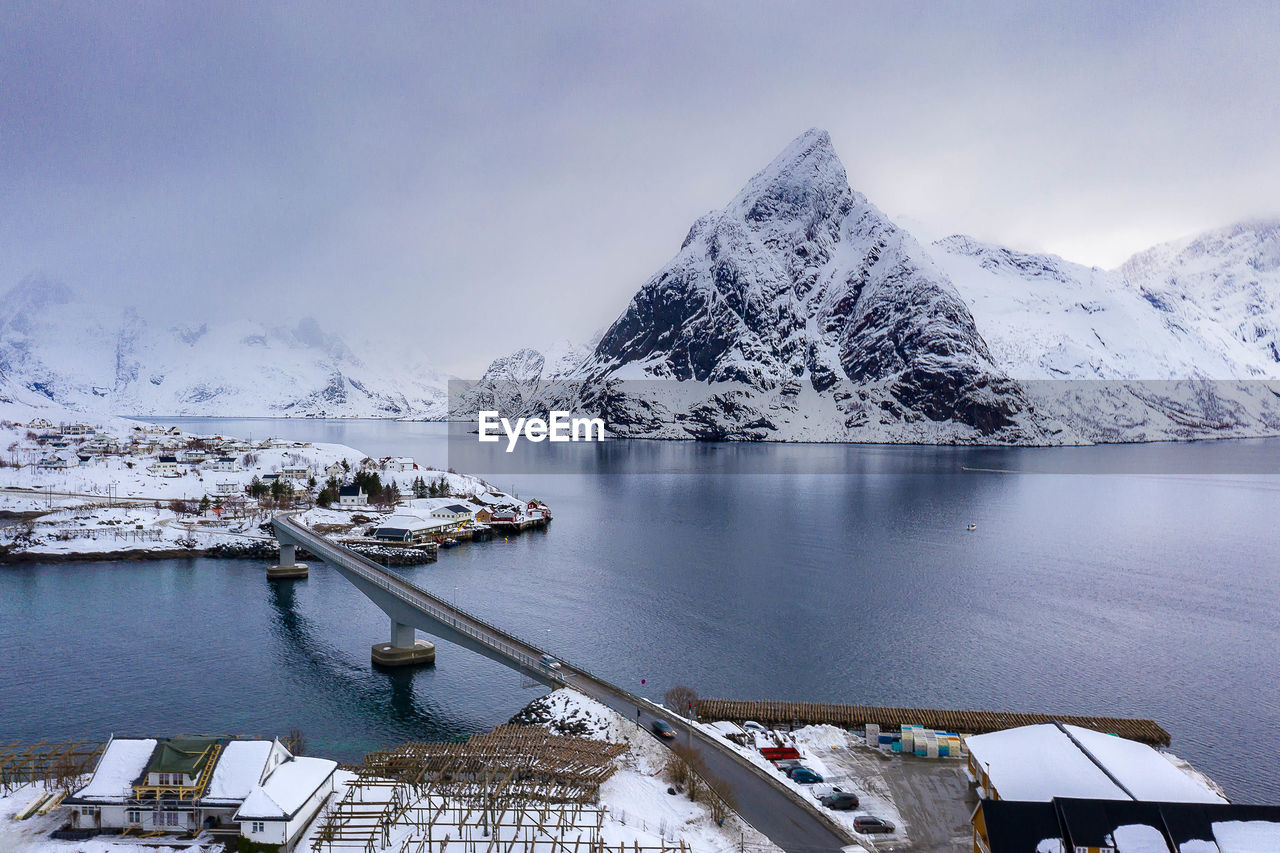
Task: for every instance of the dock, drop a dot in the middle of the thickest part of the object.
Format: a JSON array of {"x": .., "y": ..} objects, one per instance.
[{"x": 891, "y": 719}]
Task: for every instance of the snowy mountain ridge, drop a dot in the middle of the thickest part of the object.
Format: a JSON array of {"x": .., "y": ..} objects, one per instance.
[
  {"x": 800, "y": 312},
  {"x": 58, "y": 347}
]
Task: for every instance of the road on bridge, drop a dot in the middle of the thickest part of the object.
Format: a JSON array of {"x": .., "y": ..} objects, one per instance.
[{"x": 761, "y": 799}]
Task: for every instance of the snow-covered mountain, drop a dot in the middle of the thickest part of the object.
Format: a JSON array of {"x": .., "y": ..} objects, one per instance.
[
  {"x": 57, "y": 346},
  {"x": 1223, "y": 286},
  {"x": 1093, "y": 349},
  {"x": 801, "y": 312}
]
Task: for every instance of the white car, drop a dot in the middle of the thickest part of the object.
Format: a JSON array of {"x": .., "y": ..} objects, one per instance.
[{"x": 549, "y": 662}]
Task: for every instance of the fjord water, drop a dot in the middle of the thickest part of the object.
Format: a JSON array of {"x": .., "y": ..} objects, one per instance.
[{"x": 806, "y": 572}]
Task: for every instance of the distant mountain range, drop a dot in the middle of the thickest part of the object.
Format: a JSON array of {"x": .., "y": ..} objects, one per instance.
[
  {"x": 799, "y": 311},
  {"x": 58, "y": 348}
]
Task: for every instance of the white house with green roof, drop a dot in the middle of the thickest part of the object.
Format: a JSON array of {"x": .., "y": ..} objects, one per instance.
[{"x": 188, "y": 784}]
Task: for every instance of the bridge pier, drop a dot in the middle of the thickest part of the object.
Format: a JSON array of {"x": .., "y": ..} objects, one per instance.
[
  {"x": 288, "y": 568},
  {"x": 404, "y": 649}
]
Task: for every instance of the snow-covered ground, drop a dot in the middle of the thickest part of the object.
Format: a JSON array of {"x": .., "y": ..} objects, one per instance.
[
  {"x": 32, "y": 835},
  {"x": 638, "y": 805},
  {"x": 80, "y": 498}
]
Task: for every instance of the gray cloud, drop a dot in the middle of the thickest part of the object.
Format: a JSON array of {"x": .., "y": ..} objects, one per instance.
[{"x": 478, "y": 176}]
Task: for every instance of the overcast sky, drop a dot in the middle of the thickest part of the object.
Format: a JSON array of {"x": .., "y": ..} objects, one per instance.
[{"x": 491, "y": 175}]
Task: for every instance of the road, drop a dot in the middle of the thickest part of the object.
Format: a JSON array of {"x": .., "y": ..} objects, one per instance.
[{"x": 762, "y": 800}]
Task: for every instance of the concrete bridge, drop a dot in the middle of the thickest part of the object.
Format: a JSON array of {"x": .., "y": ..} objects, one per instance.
[{"x": 761, "y": 798}]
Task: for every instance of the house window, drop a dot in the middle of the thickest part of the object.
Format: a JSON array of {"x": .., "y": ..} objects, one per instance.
[
  {"x": 257, "y": 827},
  {"x": 133, "y": 816},
  {"x": 88, "y": 811}
]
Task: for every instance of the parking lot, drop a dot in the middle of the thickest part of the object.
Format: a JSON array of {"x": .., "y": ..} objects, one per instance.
[{"x": 932, "y": 796}]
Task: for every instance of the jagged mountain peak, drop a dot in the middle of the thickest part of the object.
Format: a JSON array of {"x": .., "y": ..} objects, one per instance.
[
  {"x": 805, "y": 181},
  {"x": 800, "y": 281}
]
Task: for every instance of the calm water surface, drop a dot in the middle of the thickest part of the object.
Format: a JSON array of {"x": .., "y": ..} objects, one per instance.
[{"x": 1129, "y": 594}]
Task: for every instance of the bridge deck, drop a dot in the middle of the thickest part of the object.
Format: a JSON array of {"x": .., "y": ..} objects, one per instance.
[{"x": 762, "y": 800}]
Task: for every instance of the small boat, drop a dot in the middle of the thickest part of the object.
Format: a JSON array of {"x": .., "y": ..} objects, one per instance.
[
  {"x": 448, "y": 543},
  {"x": 972, "y": 527}
]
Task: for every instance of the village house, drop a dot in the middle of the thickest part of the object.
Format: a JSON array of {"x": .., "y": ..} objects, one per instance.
[
  {"x": 352, "y": 496},
  {"x": 39, "y": 423},
  {"x": 254, "y": 788},
  {"x": 409, "y": 529},
  {"x": 59, "y": 460},
  {"x": 194, "y": 456},
  {"x": 334, "y": 470},
  {"x": 296, "y": 472},
  {"x": 224, "y": 463},
  {"x": 229, "y": 488},
  {"x": 455, "y": 513},
  {"x": 399, "y": 463},
  {"x": 164, "y": 466},
  {"x": 102, "y": 444},
  {"x": 76, "y": 429},
  {"x": 503, "y": 515}
]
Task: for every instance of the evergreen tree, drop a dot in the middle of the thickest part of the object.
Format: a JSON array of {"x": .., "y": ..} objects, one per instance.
[{"x": 257, "y": 488}]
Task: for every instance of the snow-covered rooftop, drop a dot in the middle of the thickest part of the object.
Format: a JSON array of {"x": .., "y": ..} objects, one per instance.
[
  {"x": 286, "y": 790},
  {"x": 1038, "y": 763},
  {"x": 1145, "y": 772},
  {"x": 122, "y": 762},
  {"x": 238, "y": 771},
  {"x": 1247, "y": 836}
]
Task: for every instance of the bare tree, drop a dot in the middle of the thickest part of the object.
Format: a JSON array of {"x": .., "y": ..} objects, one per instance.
[{"x": 681, "y": 700}]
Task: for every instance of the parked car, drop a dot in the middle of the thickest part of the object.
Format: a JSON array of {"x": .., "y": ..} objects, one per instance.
[
  {"x": 753, "y": 726},
  {"x": 869, "y": 824},
  {"x": 663, "y": 729},
  {"x": 803, "y": 775},
  {"x": 549, "y": 662},
  {"x": 838, "y": 800},
  {"x": 786, "y": 765}
]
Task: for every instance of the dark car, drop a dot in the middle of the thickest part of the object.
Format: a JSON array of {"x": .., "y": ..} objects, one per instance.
[
  {"x": 663, "y": 729},
  {"x": 840, "y": 801},
  {"x": 803, "y": 775},
  {"x": 870, "y": 824}
]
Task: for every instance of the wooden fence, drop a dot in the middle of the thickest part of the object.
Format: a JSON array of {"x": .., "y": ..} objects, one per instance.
[{"x": 962, "y": 722}]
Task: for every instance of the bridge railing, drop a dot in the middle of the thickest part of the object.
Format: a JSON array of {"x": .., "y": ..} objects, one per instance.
[{"x": 478, "y": 629}]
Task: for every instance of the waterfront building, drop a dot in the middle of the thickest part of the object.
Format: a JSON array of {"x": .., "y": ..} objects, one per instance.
[
  {"x": 1040, "y": 762},
  {"x": 254, "y": 788}
]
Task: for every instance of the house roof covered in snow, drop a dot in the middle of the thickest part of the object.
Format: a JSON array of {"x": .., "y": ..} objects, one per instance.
[
  {"x": 402, "y": 523},
  {"x": 287, "y": 789},
  {"x": 121, "y": 764},
  {"x": 239, "y": 770},
  {"x": 1040, "y": 762}
]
